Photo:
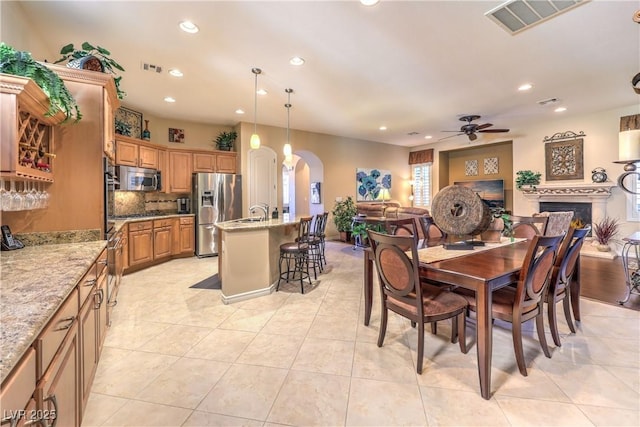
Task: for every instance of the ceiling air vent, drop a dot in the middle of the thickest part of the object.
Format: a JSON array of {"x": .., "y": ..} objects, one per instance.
[
  {"x": 151, "y": 67},
  {"x": 515, "y": 16}
]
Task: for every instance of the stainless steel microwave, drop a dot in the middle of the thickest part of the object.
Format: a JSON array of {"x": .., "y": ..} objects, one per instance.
[{"x": 138, "y": 179}]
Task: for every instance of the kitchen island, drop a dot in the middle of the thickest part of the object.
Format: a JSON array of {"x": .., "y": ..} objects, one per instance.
[{"x": 249, "y": 254}]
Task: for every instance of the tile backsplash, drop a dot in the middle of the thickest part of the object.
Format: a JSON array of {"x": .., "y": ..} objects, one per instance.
[{"x": 139, "y": 202}]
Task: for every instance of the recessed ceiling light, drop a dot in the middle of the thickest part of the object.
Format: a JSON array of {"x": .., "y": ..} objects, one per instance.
[
  {"x": 189, "y": 27},
  {"x": 560, "y": 109},
  {"x": 239, "y": 111},
  {"x": 175, "y": 72},
  {"x": 261, "y": 92},
  {"x": 428, "y": 137},
  {"x": 296, "y": 60},
  {"x": 369, "y": 2},
  {"x": 382, "y": 128},
  {"x": 525, "y": 87},
  {"x": 169, "y": 99}
]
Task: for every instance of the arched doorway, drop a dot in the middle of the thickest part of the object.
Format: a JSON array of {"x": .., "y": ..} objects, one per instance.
[{"x": 305, "y": 172}]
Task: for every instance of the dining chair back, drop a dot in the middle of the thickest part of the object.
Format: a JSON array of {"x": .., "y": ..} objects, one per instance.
[
  {"x": 430, "y": 230},
  {"x": 525, "y": 301},
  {"x": 561, "y": 277},
  {"x": 403, "y": 293},
  {"x": 528, "y": 226},
  {"x": 403, "y": 227}
]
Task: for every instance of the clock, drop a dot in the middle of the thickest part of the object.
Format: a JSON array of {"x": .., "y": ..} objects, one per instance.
[{"x": 598, "y": 175}]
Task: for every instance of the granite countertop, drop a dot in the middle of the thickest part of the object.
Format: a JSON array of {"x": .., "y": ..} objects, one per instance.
[
  {"x": 35, "y": 282},
  {"x": 243, "y": 224}
]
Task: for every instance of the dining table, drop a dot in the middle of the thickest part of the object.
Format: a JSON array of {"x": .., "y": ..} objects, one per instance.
[{"x": 482, "y": 269}]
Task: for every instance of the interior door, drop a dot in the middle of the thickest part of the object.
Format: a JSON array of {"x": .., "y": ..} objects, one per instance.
[{"x": 263, "y": 177}]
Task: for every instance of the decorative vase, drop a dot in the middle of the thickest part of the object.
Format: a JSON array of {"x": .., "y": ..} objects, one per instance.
[
  {"x": 146, "y": 134},
  {"x": 602, "y": 247}
]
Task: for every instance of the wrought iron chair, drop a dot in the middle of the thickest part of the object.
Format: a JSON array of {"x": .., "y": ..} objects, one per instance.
[{"x": 296, "y": 256}]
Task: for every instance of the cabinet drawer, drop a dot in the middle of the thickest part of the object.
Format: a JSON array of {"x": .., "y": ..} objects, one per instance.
[
  {"x": 186, "y": 220},
  {"x": 85, "y": 286},
  {"x": 142, "y": 225},
  {"x": 54, "y": 333},
  {"x": 162, "y": 223},
  {"x": 19, "y": 387}
]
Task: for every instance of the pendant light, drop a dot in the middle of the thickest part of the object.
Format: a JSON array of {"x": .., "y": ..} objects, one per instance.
[
  {"x": 255, "y": 139},
  {"x": 288, "y": 151}
]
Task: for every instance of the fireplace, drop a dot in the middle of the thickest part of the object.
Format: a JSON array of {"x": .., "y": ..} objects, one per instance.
[{"x": 581, "y": 211}]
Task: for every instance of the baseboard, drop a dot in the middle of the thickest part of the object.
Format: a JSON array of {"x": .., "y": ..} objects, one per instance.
[{"x": 246, "y": 295}]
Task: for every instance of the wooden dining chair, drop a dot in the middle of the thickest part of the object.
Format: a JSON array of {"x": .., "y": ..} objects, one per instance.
[
  {"x": 403, "y": 227},
  {"x": 402, "y": 292},
  {"x": 561, "y": 277},
  {"x": 528, "y": 226},
  {"x": 524, "y": 301}
]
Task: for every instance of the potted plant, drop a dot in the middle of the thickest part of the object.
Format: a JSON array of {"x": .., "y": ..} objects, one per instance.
[
  {"x": 20, "y": 63},
  {"x": 93, "y": 58},
  {"x": 604, "y": 230},
  {"x": 528, "y": 178},
  {"x": 343, "y": 213},
  {"x": 225, "y": 140}
]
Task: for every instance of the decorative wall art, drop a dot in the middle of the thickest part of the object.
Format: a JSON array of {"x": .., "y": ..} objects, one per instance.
[
  {"x": 316, "y": 197},
  {"x": 176, "y": 135},
  {"x": 491, "y": 166},
  {"x": 132, "y": 121},
  {"x": 371, "y": 182},
  {"x": 564, "y": 157},
  {"x": 471, "y": 167},
  {"x": 491, "y": 191}
]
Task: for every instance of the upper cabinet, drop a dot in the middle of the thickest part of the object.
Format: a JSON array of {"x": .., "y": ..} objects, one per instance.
[
  {"x": 217, "y": 161},
  {"x": 130, "y": 152},
  {"x": 26, "y": 134}
]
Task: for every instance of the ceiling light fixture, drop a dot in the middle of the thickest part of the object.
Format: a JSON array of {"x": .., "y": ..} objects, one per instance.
[
  {"x": 369, "y": 2},
  {"x": 382, "y": 128},
  {"x": 169, "y": 99},
  {"x": 262, "y": 92},
  {"x": 428, "y": 137},
  {"x": 560, "y": 109},
  {"x": 255, "y": 139},
  {"x": 288, "y": 151},
  {"x": 296, "y": 60},
  {"x": 189, "y": 27},
  {"x": 239, "y": 111},
  {"x": 525, "y": 87},
  {"x": 175, "y": 72}
]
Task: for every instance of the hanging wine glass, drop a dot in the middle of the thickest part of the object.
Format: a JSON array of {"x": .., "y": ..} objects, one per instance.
[
  {"x": 16, "y": 198},
  {"x": 46, "y": 197},
  {"x": 40, "y": 196},
  {"x": 5, "y": 197},
  {"x": 28, "y": 199},
  {"x": 34, "y": 195}
]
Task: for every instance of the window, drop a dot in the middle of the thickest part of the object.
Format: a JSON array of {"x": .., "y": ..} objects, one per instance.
[
  {"x": 633, "y": 200},
  {"x": 422, "y": 184}
]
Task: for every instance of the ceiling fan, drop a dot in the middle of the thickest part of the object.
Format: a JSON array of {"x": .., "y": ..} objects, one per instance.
[{"x": 470, "y": 129}]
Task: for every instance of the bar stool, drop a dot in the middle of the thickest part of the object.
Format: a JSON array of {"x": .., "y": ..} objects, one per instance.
[
  {"x": 296, "y": 253},
  {"x": 318, "y": 231}
]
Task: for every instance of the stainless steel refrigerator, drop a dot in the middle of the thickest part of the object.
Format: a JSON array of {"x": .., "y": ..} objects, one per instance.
[{"x": 215, "y": 197}]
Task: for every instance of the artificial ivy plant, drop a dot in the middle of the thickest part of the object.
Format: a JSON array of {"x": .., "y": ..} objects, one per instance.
[
  {"x": 70, "y": 53},
  {"x": 224, "y": 141},
  {"x": 527, "y": 177},
  {"x": 20, "y": 63}
]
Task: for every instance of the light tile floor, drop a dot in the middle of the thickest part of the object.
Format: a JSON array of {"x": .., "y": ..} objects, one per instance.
[{"x": 176, "y": 356}]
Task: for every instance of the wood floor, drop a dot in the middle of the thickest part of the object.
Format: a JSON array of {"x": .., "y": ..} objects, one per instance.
[{"x": 603, "y": 280}]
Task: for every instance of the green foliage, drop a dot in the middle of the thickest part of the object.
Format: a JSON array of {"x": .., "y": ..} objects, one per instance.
[
  {"x": 123, "y": 128},
  {"x": 69, "y": 53},
  {"x": 343, "y": 213},
  {"x": 527, "y": 177},
  {"x": 224, "y": 141},
  {"x": 361, "y": 229},
  {"x": 20, "y": 63}
]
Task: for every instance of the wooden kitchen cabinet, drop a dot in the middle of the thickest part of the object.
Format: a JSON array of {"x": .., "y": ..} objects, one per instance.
[
  {"x": 131, "y": 153},
  {"x": 180, "y": 169},
  {"x": 58, "y": 389},
  {"x": 187, "y": 235},
  {"x": 162, "y": 231},
  {"x": 203, "y": 162},
  {"x": 17, "y": 391},
  {"x": 140, "y": 242},
  {"x": 89, "y": 347},
  {"x": 226, "y": 163}
]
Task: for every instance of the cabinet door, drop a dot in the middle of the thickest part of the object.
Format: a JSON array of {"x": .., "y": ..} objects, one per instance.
[
  {"x": 162, "y": 242},
  {"x": 180, "y": 167},
  {"x": 140, "y": 247},
  {"x": 163, "y": 167},
  {"x": 126, "y": 153},
  {"x": 148, "y": 157},
  {"x": 58, "y": 389},
  {"x": 226, "y": 163},
  {"x": 89, "y": 348},
  {"x": 17, "y": 390},
  {"x": 187, "y": 238},
  {"x": 100, "y": 303},
  {"x": 109, "y": 129},
  {"x": 204, "y": 162}
]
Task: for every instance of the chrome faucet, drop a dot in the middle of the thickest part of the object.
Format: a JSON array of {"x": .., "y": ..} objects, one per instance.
[{"x": 263, "y": 207}]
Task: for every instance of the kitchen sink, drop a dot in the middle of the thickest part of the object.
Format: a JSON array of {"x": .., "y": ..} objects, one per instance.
[{"x": 250, "y": 219}]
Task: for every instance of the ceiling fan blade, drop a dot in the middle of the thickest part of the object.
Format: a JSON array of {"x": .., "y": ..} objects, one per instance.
[
  {"x": 452, "y": 136},
  {"x": 473, "y": 137},
  {"x": 451, "y": 131},
  {"x": 484, "y": 126},
  {"x": 494, "y": 130}
]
